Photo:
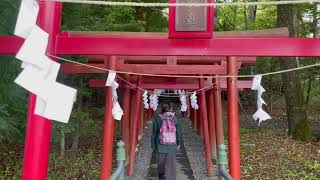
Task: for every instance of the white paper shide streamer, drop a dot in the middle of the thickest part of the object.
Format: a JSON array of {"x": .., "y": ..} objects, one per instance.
[
  {"x": 183, "y": 100},
  {"x": 154, "y": 99},
  {"x": 145, "y": 100},
  {"x": 194, "y": 101},
  {"x": 260, "y": 114},
  {"x": 117, "y": 111},
  {"x": 54, "y": 100}
]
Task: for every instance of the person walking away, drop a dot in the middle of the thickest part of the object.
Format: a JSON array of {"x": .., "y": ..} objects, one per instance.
[{"x": 165, "y": 141}]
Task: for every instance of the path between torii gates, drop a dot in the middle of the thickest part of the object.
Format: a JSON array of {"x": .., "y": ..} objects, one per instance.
[{"x": 191, "y": 164}]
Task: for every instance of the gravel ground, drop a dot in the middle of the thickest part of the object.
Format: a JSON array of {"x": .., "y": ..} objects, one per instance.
[
  {"x": 195, "y": 150},
  {"x": 144, "y": 155}
]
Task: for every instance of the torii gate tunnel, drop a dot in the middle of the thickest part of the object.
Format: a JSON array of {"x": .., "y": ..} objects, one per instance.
[{"x": 193, "y": 49}]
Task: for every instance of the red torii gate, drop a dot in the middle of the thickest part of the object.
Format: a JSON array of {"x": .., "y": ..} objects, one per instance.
[
  {"x": 145, "y": 44},
  {"x": 162, "y": 65}
]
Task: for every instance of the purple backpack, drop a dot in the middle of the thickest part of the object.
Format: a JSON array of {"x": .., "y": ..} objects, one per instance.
[{"x": 168, "y": 129}]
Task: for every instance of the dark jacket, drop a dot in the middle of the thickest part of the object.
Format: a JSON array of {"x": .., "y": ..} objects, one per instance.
[{"x": 155, "y": 141}]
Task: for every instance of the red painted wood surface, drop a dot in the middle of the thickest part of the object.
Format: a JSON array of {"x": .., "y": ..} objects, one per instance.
[
  {"x": 145, "y": 117},
  {"x": 218, "y": 111},
  {"x": 135, "y": 46},
  {"x": 189, "y": 84},
  {"x": 211, "y": 124},
  {"x": 38, "y": 133},
  {"x": 233, "y": 121},
  {"x": 205, "y": 128},
  {"x": 181, "y": 60},
  {"x": 133, "y": 144},
  {"x": 108, "y": 130},
  {"x": 195, "y": 120},
  {"x": 11, "y": 44},
  {"x": 200, "y": 117},
  {"x": 71, "y": 68},
  {"x": 126, "y": 119}
]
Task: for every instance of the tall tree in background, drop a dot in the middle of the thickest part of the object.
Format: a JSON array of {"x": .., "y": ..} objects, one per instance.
[
  {"x": 298, "y": 122},
  {"x": 250, "y": 13}
]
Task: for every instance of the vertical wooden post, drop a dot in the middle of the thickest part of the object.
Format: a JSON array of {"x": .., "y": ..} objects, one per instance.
[
  {"x": 135, "y": 130},
  {"x": 212, "y": 126},
  {"x": 140, "y": 117},
  {"x": 38, "y": 132},
  {"x": 108, "y": 132},
  {"x": 205, "y": 129},
  {"x": 132, "y": 112},
  {"x": 126, "y": 118},
  {"x": 200, "y": 117},
  {"x": 218, "y": 111},
  {"x": 195, "y": 120},
  {"x": 233, "y": 119},
  {"x": 188, "y": 108},
  {"x": 145, "y": 117},
  {"x": 192, "y": 117},
  {"x": 141, "y": 121}
]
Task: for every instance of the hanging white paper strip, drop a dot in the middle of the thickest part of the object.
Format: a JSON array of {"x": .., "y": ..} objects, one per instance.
[
  {"x": 145, "y": 100},
  {"x": 50, "y": 76},
  {"x": 32, "y": 79},
  {"x": 111, "y": 78},
  {"x": 117, "y": 112},
  {"x": 154, "y": 102},
  {"x": 27, "y": 18},
  {"x": 193, "y": 101},
  {"x": 183, "y": 100},
  {"x": 260, "y": 114},
  {"x": 34, "y": 48},
  {"x": 59, "y": 102}
]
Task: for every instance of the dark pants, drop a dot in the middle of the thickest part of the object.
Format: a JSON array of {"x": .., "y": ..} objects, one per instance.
[{"x": 167, "y": 166}]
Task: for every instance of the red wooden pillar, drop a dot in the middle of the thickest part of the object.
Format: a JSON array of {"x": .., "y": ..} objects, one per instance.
[
  {"x": 195, "y": 120},
  {"x": 192, "y": 117},
  {"x": 135, "y": 130},
  {"x": 212, "y": 126},
  {"x": 140, "y": 116},
  {"x": 132, "y": 112},
  {"x": 233, "y": 119},
  {"x": 200, "y": 117},
  {"x": 145, "y": 117},
  {"x": 218, "y": 111},
  {"x": 141, "y": 121},
  {"x": 126, "y": 118},
  {"x": 188, "y": 108},
  {"x": 38, "y": 133},
  {"x": 203, "y": 109},
  {"x": 108, "y": 129}
]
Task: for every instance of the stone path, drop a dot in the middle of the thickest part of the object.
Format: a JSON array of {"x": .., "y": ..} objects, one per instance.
[
  {"x": 184, "y": 171},
  {"x": 191, "y": 164}
]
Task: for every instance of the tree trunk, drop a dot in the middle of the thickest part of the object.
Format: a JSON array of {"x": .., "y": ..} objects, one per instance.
[
  {"x": 75, "y": 142},
  {"x": 251, "y": 12},
  {"x": 307, "y": 102},
  {"x": 270, "y": 104},
  {"x": 298, "y": 122},
  {"x": 62, "y": 142}
]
